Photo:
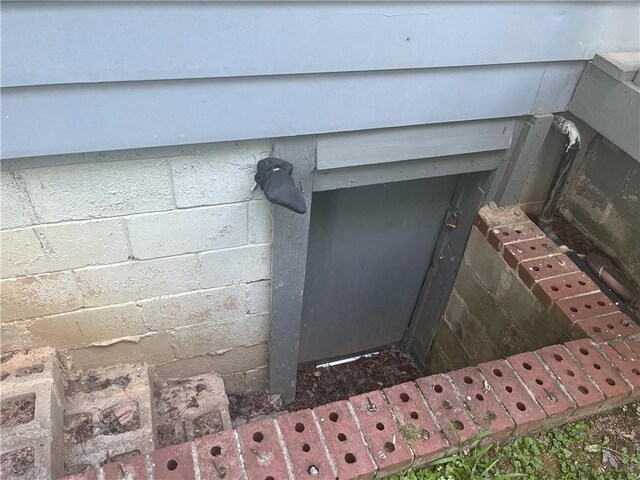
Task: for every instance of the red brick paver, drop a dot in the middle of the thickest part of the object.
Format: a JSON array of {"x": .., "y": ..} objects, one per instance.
[
  {"x": 500, "y": 236},
  {"x": 263, "y": 456},
  {"x": 515, "y": 253},
  {"x": 133, "y": 468},
  {"x": 386, "y": 444},
  {"x": 571, "y": 285},
  {"x": 515, "y": 397},
  {"x": 606, "y": 327},
  {"x": 570, "y": 310},
  {"x": 173, "y": 463},
  {"x": 416, "y": 423},
  {"x": 304, "y": 446},
  {"x": 626, "y": 361},
  {"x": 344, "y": 441},
  {"x": 532, "y": 271},
  {"x": 218, "y": 456}
]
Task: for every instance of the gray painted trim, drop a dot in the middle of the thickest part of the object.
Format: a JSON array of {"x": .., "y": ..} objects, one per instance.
[
  {"x": 369, "y": 147},
  {"x": 610, "y": 107},
  {"x": 522, "y": 158},
  {"x": 112, "y": 116},
  {"x": 60, "y": 43},
  {"x": 406, "y": 170},
  {"x": 291, "y": 232},
  {"x": 620, "y": 65}
]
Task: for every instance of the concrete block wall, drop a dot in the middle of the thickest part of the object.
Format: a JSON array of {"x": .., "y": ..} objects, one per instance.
[
  {"x": 491, "y": 313},
  {"x": 159, "y": 255}
]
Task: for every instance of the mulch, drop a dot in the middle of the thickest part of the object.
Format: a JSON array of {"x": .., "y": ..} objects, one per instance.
[{"x": 319, "y": 386}]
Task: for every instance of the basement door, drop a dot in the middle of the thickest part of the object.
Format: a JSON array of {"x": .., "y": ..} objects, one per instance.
[{"x": 368, "y": 253}]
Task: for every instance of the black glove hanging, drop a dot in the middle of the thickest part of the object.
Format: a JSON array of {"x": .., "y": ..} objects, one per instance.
[{"x": 275, "y": 180}]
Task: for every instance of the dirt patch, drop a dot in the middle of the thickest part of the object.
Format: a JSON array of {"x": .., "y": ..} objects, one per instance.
[
  {"x": 17, "y": 463},
  {"x": 18, "y": 411},
  {"x": 120, "y": 418},
  {"x": 78, "y": 428},
  {"x": 571, "y": 236},
  {"x": 319, "y": 386},
  {"x": 92, "y": 382}
]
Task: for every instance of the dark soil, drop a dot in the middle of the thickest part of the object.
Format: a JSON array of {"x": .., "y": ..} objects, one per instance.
[
  {"x": 17, "y": 412},
  {"x": 17, "y": 463},
  {"x": 319, "y": 386},
  {"x": 78, "y": 428},
  {"x": 571, "y": 236},
  {"x": 92, "y": 382}
]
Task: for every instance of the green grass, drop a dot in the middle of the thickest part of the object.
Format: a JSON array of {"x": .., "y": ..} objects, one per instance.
[{"x": 598, "y": 448}]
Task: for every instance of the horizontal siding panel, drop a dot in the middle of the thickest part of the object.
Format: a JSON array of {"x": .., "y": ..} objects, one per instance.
[
  {"x": 78, "y": 42},
  {"x": 90, "y": 117},
  {"x": 388, "y": 145}
]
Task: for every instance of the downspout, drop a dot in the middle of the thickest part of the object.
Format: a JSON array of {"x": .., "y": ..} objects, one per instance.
[{"x": 571, "y": 148}]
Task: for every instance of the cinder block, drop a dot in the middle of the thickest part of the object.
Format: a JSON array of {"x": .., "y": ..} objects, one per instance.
[
  {"x": 544, "y": 386},
  {"x": 16, "y": 207},
  {"x": 98, "y": 189},
  {"x": 260, "y": 221},
  {"x": 529, "y": 249},
  {"x": 39, "y": 295},
  {"x": 571, "y": 285},
  {"x": 386, "y": 444},
  {"x": 582, "y": 389},
  {"x": 615, "y": 388},
  {"x": 449, "y": 410},
  {"x": 492, "y": 216},
  {"x": 88, "y": 325},
  {"x": 220, "y": 173},
  {"x": 482, "y": 403},
  {"x": 500, "y": 236},
  {"x": 137, "y": 280},
  {"x": 190, "y": 308},
  {"x": 532, "y": 271},
  {"x": 345, "y": 443},
  {"x": 173, "y": 463},
  {"x": 205, "y": 338},
  {"x": 65, "y": 246},
  {"x": 627, "y": 362},
  {"x": 133, "y": 468},
  {"x": 236, "y": 265},
  {"x": 263, "y": 456},
  {"x": 305, "y": 448},
  {"x": 606, "y": 327},
  {"x": 416, "y": 423},
  {"x": 218, "y": 456},
  {"x": 256, "y": 379},
  {"x": 570, "y": 310},
  {"x": 259, "y": 297},
  {"x": 516, "y": 398},
  {"x": 88, "y": 475},
  {"x": 153, "y": 235},
  {"x": 116, "y": 404}
]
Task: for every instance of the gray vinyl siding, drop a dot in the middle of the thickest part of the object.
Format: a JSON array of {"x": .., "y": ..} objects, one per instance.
[{"x": 93, "y": 76}]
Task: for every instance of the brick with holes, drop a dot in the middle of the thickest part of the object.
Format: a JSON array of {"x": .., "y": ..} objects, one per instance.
[
  {"x": 515, "y": 253},
  {"x": 218, "y": 456},
  {"x": 613, "y": 386},
  {"x": 634, "y": 343},
  {"x": 553, "y": 289},
  {"x": 134, "y": 468},
  {"x": 261, "y": 450},
  {"x": 545, "y": 387},
  {"x": 627, "y": 362},
  {"x": 567, "y": 311},
  {"x": 344, "y": 440},
  {"x": 483, "y": 403},
  {"x": 416, "y": 423},
  {"x": 492, "y": 216},
  {"x": 605, "y": 328},
  {"x": 304, "y": 446},
  {"x": 173, "y": 463},
  {"x": 386, "y": 444},
  {"x": 532, "y": 271},
  {"x": 581, "y": 388},
  {"x": 500, "y": 236},
  {"x": 516, "y": 398},
  {"x": 450, "y": 411}
]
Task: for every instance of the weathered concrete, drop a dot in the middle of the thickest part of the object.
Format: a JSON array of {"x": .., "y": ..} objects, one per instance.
[{"x": 603, "y": 202}]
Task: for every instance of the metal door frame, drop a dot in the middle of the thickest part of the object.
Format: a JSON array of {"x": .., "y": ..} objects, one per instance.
[{"x": 481, "y": 177}]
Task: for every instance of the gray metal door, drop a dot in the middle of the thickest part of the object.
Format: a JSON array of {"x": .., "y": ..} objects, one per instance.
[{"x": 369, "y": 250}]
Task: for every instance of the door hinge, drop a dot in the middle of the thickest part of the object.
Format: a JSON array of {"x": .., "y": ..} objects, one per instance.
[{"x": 452, "y": 218}]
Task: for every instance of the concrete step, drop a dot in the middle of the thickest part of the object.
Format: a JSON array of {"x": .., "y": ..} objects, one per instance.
[{"x": 32, "y": 415}]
